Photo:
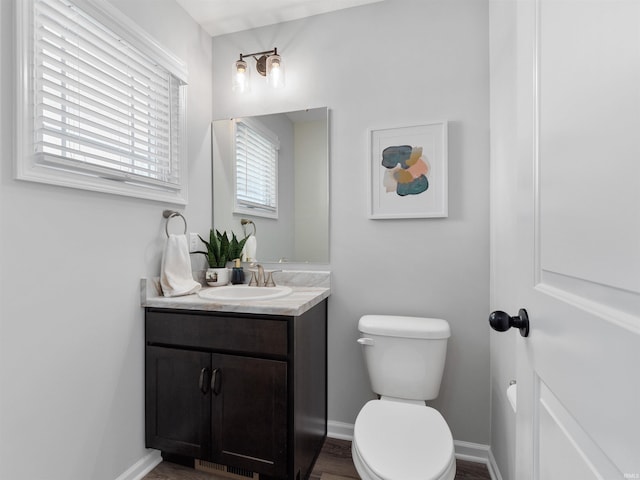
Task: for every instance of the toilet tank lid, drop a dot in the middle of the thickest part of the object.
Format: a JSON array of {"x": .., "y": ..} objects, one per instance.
[{"x": 409, "y": 327}]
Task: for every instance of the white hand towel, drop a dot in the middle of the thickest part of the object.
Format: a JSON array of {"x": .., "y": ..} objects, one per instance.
[
  {"x": 249, "y": 250},
  {"x": 175, "y": 271}
]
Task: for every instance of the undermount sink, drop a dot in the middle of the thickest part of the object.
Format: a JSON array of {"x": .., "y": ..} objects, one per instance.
[{"x": 243, "y": 293}]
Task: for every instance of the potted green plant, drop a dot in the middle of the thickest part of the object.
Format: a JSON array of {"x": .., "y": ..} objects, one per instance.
[{"x": 220, "y": 251}]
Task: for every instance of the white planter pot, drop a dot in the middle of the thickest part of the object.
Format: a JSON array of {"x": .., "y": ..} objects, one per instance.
[{"x": 217, "y": 277}]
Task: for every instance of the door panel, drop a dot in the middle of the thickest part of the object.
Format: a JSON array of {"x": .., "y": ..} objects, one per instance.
[
  {"x": 250, "y": 413},
  {"x": 588, "y": 99},
  {"x": 177, "y": 410},
  {"x": 566, "y": 451},
  {"x": 578, "y": 238}
]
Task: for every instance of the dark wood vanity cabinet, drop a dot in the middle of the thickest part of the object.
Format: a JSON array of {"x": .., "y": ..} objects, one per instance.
[{"x": 246, "y": 391}]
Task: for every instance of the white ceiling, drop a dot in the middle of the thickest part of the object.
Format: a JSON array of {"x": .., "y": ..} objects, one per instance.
[{"x": 218, "y": 17}]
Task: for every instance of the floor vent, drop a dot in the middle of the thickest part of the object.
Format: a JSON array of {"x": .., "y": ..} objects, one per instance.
[{"x": 226, "y": 471}]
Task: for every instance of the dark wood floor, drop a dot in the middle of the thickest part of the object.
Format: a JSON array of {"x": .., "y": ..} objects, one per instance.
[{"x": 334, "y": 463}]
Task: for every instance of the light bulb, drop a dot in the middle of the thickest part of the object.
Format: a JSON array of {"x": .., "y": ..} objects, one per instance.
[
  {"x": 275, "y": 71},
  {"x": 241, "y": 77}
]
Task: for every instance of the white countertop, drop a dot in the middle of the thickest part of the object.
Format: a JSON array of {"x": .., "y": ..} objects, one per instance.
[{"x": 301, "y": 299}]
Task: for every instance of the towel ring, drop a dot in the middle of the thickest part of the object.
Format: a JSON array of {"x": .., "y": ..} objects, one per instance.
[
  {"x": 246, "y": 221},
  {"x": 169, "y": 214}
]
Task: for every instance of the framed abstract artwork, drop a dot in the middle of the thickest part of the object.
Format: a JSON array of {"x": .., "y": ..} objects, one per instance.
[{"x": 408, "y": 172}]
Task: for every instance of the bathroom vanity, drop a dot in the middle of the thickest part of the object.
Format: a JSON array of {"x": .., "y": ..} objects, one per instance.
[{"x": 240, "y": 387}]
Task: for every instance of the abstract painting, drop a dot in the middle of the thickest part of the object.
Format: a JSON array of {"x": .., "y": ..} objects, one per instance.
[{"x": 408, "y": 172}]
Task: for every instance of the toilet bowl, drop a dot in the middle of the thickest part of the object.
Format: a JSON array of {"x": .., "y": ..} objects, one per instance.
[
  {"x": 398, "y": 437},
  {"x": 399, "y": 441}
]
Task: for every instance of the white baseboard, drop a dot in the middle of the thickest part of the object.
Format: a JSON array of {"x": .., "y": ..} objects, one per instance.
[
  {"x": 479, "y": 453},
  {"x": 493, "y": 467},
  {"x": 138, "y": 470},
  {"x": 339, "y": 430},
  {"x": 471, "y": 452}
]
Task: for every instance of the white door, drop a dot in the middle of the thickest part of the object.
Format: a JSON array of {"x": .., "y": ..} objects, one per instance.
[{"x": 578, "y": 219}]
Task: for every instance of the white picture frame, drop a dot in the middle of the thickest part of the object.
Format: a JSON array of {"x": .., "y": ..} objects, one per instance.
[{"x": 408, "y": 172}]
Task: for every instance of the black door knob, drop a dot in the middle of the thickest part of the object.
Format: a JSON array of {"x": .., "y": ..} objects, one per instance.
[{"x": 501, "y": 321}]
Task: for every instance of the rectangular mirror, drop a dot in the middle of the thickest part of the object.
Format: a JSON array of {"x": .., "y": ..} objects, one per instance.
[{"x": 274, "y": 171}]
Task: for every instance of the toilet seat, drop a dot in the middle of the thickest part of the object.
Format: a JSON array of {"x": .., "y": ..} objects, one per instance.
[{"x": 400, "y": 441}]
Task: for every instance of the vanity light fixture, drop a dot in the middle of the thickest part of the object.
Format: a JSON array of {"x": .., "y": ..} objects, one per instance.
[{"x": 268, "y": 64}]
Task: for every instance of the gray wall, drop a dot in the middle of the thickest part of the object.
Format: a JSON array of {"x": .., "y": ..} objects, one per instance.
[
  {"x": 394, "y": 63},
  {"x": 71, "y": 326}
]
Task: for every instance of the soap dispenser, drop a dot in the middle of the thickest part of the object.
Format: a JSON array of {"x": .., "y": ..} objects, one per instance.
[{"x": 237, "y": 273}]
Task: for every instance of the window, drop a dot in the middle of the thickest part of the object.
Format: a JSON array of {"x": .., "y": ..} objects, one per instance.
[
  {"x": 256, "y": 153},
  {"x": 102, "y": 106}
]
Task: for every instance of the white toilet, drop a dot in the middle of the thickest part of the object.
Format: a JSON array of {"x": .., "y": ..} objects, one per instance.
[{"x": 398, "y": 437}]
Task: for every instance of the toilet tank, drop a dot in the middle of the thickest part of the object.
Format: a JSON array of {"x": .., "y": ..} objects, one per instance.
[{"x": 404, "y": 355}]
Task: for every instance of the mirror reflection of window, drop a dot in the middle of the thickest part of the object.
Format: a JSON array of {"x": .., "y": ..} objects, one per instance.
[
  {"x": 300, "y": 233},
  {"x": 256, "y": 182}
]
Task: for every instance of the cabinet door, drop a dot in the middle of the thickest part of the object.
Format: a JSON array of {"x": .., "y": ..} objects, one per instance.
[
  {"x": 250, "y": 413},
  {"x": 178, "y": 408}
]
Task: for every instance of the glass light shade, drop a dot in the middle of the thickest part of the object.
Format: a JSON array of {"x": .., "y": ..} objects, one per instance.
[
  {"x": 275, "y": 71},
  {"x": 241, "y": 77}
]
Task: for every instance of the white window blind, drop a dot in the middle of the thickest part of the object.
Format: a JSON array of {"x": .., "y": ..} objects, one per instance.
[
  {"x": 256, "y": 169},
  {"x": 103, "y": 106}
]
